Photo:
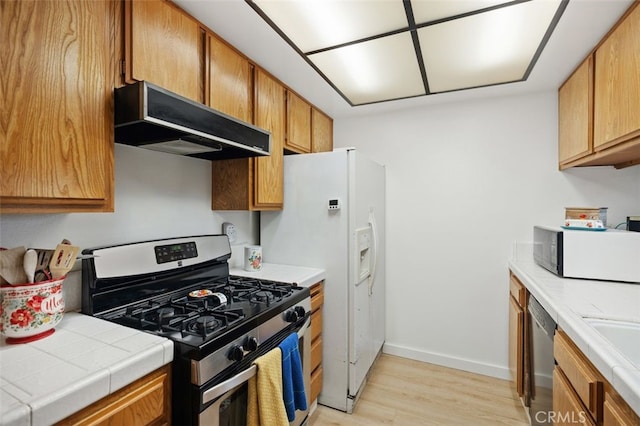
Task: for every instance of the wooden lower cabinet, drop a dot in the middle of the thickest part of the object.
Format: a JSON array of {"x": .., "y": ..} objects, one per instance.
[
  {"x": 581, "y": 395},
  {"x": 567, "y": 407},
  {"x": 616, "y": 412},
  {"x": 146, "y": 401},
  {"x": 317, "y": 301},
  {"x": 517, "y": 337},
  {"x": 583, "y": 378}
]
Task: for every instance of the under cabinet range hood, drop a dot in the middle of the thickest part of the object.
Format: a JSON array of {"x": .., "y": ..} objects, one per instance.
[{"x": 148, "y": 116}]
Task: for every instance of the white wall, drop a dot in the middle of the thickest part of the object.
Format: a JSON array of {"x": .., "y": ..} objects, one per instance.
[
  {"x": 157, "y": 195},
  {"x": 464, "y": 181}
]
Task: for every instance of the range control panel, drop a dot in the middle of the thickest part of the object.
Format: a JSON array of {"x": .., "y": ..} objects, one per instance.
[{"x": 173, "y": 252}]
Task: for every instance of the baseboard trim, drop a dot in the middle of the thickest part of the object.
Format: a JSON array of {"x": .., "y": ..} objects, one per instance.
[{"x": 448, "y": 361}]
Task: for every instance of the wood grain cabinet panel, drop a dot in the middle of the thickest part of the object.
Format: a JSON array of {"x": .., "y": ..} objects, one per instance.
[
  {"x": 298, "y": 124},
  {"x": 321, "y": 131},
  {"x": 144, "y": 402},
  {"x": 56, "y": 140},
  {"x": 163, "y": 45},
  {"x": 270, "y": 110},
  {"x": 617, "y": 84},
  {"x": 616, "y": 412},
  {"x": 575, "y": 114},
  {"x": 516, "y": 345},
  {"x": 317, "y": 301},
  {"x": 567, "y": 407},
  {"x": 584, "y": 378},
  {"x": 238, "y": 88},
  {"x": 609, "y": 97}
]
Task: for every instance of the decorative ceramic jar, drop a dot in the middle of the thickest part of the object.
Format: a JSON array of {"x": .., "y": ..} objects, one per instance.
[{"x": 30, "y": 312}]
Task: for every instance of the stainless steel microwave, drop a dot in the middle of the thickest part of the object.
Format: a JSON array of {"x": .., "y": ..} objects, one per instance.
[{"x": 611, "y": 255}]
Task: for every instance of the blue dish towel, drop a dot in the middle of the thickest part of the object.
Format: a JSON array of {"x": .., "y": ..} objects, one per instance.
[{"x": 292, "y": 378}]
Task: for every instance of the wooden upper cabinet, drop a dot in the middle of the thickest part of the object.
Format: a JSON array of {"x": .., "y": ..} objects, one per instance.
[
  {"x": 617, "y": 84},
  {"x": 298, "y": 124},
  {"x": 270, "y": 111},
  {"x": 163, "y": 45},
  {"x": 575, "y": 114},
  {"x": 56, "y": 143},
  {"x": 321, "y": 132},
  {"x": 229, "y": 80},
  {"x": 236, "y": 88}
]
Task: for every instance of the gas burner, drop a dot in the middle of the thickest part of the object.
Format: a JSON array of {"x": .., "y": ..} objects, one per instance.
[
  {"x": 262, "y": 297},
  {"x": 166, "y": 312},
  {"x": 206, "y": 324}
]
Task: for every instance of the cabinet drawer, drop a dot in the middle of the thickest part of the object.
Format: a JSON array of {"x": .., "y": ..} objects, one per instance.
[
  {"x": 317, "y": 296},
  {"x": 567, "y": 408},
  {"x": 518, "y": 291},
  {"x": 316, "y": 353},
  {"x": 316, "y": 324},
  {"x": 316, "y": 384},
  {"x": 582, "y": 376}
]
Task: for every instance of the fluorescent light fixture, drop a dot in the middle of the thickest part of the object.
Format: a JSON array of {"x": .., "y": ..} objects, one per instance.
[
  {"x": 368, "y": 71},
  {"x": 379, "y": 50}
]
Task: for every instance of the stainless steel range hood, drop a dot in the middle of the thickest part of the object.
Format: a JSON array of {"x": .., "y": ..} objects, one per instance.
[{"x": 150, "y": 117}]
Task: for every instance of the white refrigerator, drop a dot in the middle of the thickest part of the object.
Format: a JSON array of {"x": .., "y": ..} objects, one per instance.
[{"x": 334, "y": 218}]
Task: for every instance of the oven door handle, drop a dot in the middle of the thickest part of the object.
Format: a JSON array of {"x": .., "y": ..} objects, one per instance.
[
  {"x": 227, "y": 385},
  {"x": 240, "y": 378},
  {"x": 304, "y": 327}
]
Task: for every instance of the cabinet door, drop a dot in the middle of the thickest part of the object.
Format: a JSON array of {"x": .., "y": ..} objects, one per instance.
[
  {"x": 163, "y": 45},
  {"x": 144, "y": 402},
  {"x": 575, "y": 114},
  {"x": 567, "y": 408},
  {"x": 270, "y": 110},
  {"x": 230, "y": 80},
  {"x": 56, "y": 145},
  {"x": 616, "y": 412},
  {"x": 617, "y": 85},
  {"x": 516, "y": 345},
  {"x": 229, "y": 85},
  {"x": 298, "y": 124},
  {"x": 321, "y": 132}
]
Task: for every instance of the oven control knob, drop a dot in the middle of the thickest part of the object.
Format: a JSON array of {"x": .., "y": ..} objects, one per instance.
[
  {"x": 300, "y": 311},
  {"x": 251, "y": 344},
  {"x": 236, "y": 353},
  {"x": 291, "y": 316}
]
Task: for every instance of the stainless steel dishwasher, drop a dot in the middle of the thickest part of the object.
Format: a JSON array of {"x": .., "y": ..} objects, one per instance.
[{"x": 542, "y": 363}]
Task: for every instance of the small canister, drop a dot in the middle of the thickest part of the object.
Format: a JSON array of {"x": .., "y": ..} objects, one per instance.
[{"x": 252, "y": 258}]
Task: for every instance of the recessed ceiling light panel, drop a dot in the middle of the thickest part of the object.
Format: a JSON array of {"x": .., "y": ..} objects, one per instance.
[
  {"x": 380, "y": 69},
  {"x": 433, "y": 10},
  {"x": 488, "y": 48},
  {"x": 314, "y": 25}
]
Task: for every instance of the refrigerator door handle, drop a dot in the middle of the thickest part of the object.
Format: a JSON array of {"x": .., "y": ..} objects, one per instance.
[{"x": 374, "y": 232}]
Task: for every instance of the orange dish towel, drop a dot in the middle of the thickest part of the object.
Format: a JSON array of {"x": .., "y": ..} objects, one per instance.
[{"x": 265, "y": 406}]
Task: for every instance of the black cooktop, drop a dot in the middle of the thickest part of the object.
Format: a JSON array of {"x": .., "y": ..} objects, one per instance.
[{"x": 207, "y": 311}]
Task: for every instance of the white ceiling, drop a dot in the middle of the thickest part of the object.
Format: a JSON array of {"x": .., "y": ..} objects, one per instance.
[{"x": 582, "y": 25}]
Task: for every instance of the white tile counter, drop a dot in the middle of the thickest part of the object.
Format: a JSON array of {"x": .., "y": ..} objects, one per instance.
[
  {"x": 84, "y": 360},
  {"x": 568, "y": 301},
  {"x": 299, "y": 275}
]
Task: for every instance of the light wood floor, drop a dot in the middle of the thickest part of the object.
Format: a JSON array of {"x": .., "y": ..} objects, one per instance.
[{"x": 406, "y": 392}]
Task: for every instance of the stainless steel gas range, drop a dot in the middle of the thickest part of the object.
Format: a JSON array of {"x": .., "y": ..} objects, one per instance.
[{"x": 180, "y": 288}]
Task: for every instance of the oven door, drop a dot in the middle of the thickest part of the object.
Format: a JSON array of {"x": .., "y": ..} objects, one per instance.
[{"x": 230, "y": 397}]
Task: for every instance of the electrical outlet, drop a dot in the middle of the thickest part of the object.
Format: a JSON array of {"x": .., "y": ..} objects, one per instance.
[{"x": 230, "y": 230}]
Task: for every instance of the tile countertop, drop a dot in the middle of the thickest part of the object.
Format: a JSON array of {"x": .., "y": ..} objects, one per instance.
[
  {"x": 84, "y": 360},
  {"x": 299, "y": 275},
  {"x": 568, "y": 301}
]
